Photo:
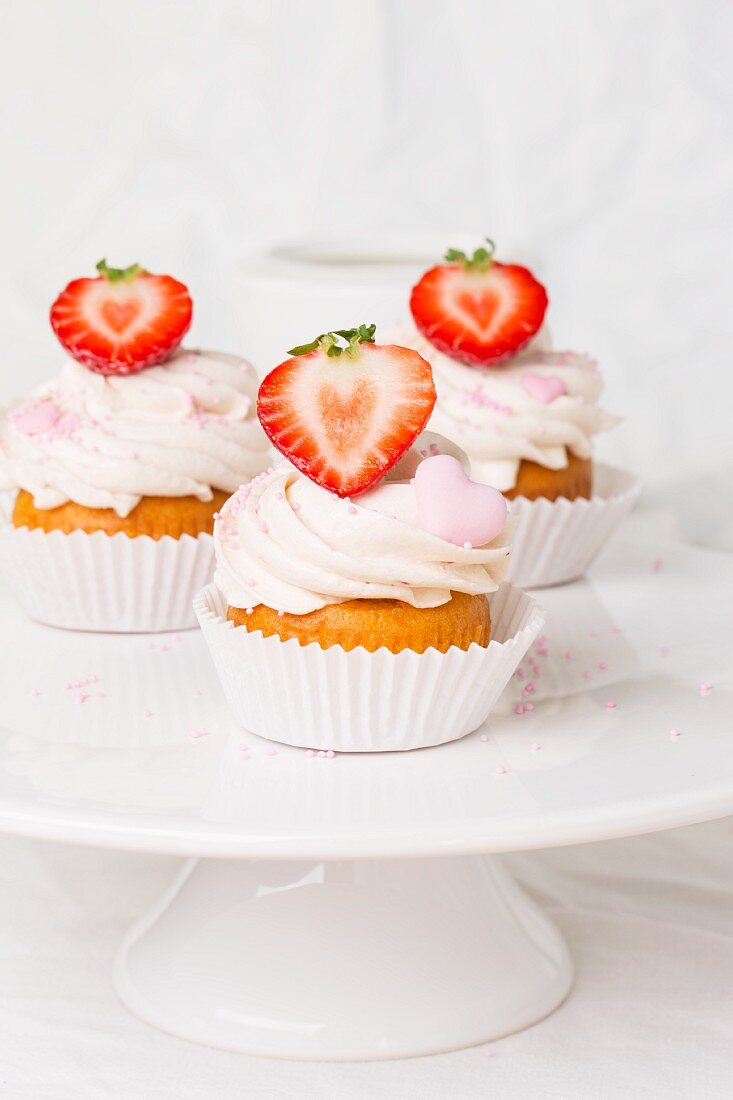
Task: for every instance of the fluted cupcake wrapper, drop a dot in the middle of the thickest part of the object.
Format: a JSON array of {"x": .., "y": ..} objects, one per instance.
[
  {"x": 365, "y": 702},
  {"x": 106, "y": 582},
  {"x": 556, "y": 541}
]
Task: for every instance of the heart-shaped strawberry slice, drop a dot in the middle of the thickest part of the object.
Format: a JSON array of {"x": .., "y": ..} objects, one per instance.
[
  {"x": 476, "y": 309},
  {"x": 344, "y": 416},
  {"x": 455, "y": 508}
]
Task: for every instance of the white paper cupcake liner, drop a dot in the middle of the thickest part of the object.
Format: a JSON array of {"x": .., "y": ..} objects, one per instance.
[
  {"x": 556, "y": 541},
  {"x": 365, "y": 702},
  {"x": 105, "y": 582}
]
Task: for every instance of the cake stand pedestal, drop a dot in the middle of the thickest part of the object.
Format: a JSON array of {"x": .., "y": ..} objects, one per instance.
[
  {"x": 346, "y": 960},
  {"x": 356, "y": 907}
]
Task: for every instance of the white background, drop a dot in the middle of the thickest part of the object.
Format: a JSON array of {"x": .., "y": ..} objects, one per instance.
[{"x": 591, "y": 139}]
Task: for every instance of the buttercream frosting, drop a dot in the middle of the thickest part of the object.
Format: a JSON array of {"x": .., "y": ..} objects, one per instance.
[
  {"x": 538, "y": 406},
  {"x": 286, "y": 542},
  {"x": 182, "y": 428}
]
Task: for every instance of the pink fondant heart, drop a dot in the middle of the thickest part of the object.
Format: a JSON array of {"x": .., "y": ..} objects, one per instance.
[
  {"x": 38, "y": 418},
  {"x": 455, "y": 508},
  {"x": 544, "y": 388}
]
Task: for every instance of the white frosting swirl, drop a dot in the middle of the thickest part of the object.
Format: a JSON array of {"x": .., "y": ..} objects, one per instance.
[
  {"x": 491, "y": 414},
  {"x": 286, "y": 542},
  {"x": 178, "y": 429}
]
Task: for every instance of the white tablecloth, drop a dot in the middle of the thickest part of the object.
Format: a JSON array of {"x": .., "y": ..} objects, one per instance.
[{"x": 649, "y": 921}]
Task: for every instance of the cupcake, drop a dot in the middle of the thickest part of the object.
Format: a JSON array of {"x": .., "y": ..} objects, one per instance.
[
  {"x": 525, "y": 415},
  {"x": 358, "y": 601},
  {"x": 120, "y": 463}
]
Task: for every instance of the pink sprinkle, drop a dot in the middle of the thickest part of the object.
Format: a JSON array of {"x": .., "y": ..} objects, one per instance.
[
  {"x": 279, "y": 496},
  {"x": 519, "y": 709},
  {"x": 147, "y": 714},
  {"x": 673, "y": 735},
  {"x": 272, "y": 752},
  {"x": 321, "y": 752},
  {"x": 195, "y": 692},
  {"x": 296, "y": 507},
  {"x": 657, "y": 565},
  {"x": 529, "y": 707},
  {"x": 568, "y": 655},
  {"x": 311, "y": 752},
  {"x": 664, "y": 651},
  {"x": 615, "y": 630},
  {"x": 195, "y": 735},
  {"x": 705, "y": 688},
  {"x": 352, "y": 510},
  {"x": 263, "y": 526},
  {"x": 82, "y": 698},
  {"x": 330, "y": 754},
  {"x": 535, "y": 747},
  {"x": 602, "y": 666},
  {"x": 519, "y": 674},
  {"x": 528, "y": 688},
  {"x": 592, "y": 634},
  {"x": 611, "y": 705},
  {"x": 152, "y": 645},
  {"x": 586, "y": 676},
  {"x": 36, "y": 692},
  {"x": 251, "y": 582},
  {"x": 500, "y": 770},
  {"x": 542, "y": 652},
  {"x": 483, "y": 738},
  {"x": 488, "y": 1054}
]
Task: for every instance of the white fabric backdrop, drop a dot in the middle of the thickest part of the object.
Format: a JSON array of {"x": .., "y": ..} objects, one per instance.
[{"x": 593, "y": 138}]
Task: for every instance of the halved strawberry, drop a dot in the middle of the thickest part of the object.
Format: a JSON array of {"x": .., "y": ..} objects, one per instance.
[
  {"x": 122, "y": 321},
  {"x": 477, "y": 310},
  {"x": 345, "y": 415}
]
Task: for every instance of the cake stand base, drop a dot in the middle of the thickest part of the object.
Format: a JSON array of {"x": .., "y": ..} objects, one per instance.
[{"x": 343, "y": 961}]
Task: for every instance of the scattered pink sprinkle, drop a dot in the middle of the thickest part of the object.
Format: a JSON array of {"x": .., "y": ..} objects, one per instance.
[
  {"x": 81, "y": 698},
  {"x": 330, "y": 754},
  {"x": 500, "y": 770},
  {"x": 705, "y": 688},
  {"x": 296, "y": 507},
  {"x": 587, "y": 676},
  {"x": 272, "y": 752},
  {"x": 615, "y": 630},
  {"x": 602, "y": 666},
  {"x": 657, "y": 565},
  {"x": 311, "y": 752},
  {"x": 528, "y": 688},
  {"x": 592, "y": 634},
  {"x": 351, "y": 510},
  {"x": 568, "y": 655},
  {"x": 263, "y": 526},
  {"x": 611, "y": 705},
  {"x": 529, "y": 707},
  {"x": 488, "y": 1054},
  {"x": 196, "y": 692},
  {"x": 321, "y": 752},
  {"x": 519, "y": 709},
  {"x": 535, "y": 747},
  {"x": 664, "y": 651},
  {"x": 197, "y": 734},
  {"x": 147, "y": 714},
  {"x": 483, "y": 738},
  {"x": 36, "y": 692},
  {"x": 674, "y": 734}
]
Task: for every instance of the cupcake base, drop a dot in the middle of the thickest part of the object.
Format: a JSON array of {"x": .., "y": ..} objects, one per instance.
[
  {"x": 357, "y": 701},
  {"x": 153, "y": 516},
  {"x": 535, "y": 482},
  {"x": 375, "y": 624}
]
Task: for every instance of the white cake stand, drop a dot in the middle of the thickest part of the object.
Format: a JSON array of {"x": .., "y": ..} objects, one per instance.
[{"x": 308, "y": 927}]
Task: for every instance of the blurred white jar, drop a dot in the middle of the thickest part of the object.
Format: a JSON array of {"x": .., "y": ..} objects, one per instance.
[{"x": 296, "y": 291}]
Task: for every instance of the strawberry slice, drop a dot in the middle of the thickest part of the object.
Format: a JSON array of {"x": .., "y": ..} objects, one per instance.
[
  {"x": 122, "y": 321},
  {"x": 345, "y": 415},
  {"x": 478, "y": 310}
]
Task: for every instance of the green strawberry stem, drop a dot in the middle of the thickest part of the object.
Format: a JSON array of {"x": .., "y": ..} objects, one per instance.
[
  {"x": 328, "y": 342},
  {"x": 480, "y": 261},
  {"x": 119, "y": 274}
]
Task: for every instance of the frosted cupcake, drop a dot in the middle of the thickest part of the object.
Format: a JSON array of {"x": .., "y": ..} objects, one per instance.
[
  {"x": 526, "y": 415},
  {"x": 366, "y": 550},
  {"x": 136, "y": 443}
]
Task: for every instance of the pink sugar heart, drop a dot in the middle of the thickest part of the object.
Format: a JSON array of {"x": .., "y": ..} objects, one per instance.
[
  {"x": 544, "y": 388},
  {"x": 38, "y": 418},
  {"x": 455, "y": 508}
]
